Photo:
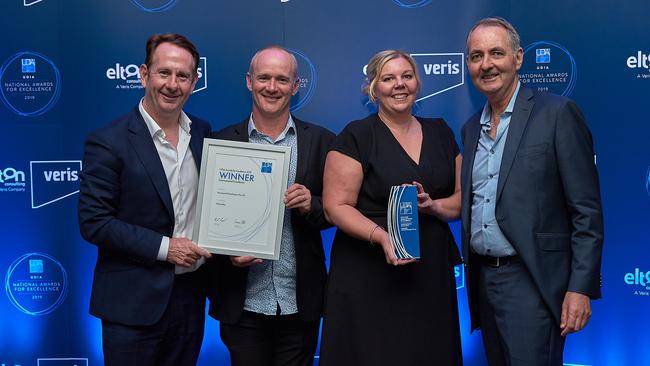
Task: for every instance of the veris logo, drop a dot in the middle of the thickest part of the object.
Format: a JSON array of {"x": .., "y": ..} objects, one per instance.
[
  {"x": 440, "y": 72},
  {"x": 53, "y": 181},
  {"x": 154, "y": 6},
  {"x": 640, "y": 280},
  {"x": 127, "y": 77}
]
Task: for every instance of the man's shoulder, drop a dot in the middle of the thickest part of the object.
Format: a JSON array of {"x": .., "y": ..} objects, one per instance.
[
  {"x": 548, "y": 99},
  {"x": 197, "y": 121},
  {"x": 313, "y": 128},
  {"x": 235, "y": 130}
]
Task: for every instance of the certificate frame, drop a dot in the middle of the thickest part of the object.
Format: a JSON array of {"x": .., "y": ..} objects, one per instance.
[{"x": 240, "y": 205}]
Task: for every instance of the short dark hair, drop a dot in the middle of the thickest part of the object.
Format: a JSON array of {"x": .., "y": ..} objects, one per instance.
[{"x": 176, "y": 39}]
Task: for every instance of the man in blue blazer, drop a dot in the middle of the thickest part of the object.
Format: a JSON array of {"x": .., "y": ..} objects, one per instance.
[
  {"x": 269, "y": 311},
  {"x": 137, "y": 205},
  {"x": 532, "y": 227}
]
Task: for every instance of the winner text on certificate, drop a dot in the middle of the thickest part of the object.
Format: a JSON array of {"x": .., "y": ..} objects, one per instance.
[{"x": 240, "y": 198}]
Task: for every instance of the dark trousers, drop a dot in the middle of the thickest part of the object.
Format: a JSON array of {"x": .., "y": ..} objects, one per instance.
[
  {"x": 517, "y": 327},
  {"x": 174, "y": 340},
  {"x": 270, "y": 340}
]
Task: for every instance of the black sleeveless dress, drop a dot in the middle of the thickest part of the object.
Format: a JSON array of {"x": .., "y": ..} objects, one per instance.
[{"x": 376, "y": 313}]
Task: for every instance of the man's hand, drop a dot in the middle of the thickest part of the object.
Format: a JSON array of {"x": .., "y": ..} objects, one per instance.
[
  {"x": 576, "y": 311},
  {"x": 298, "y": 196},
  {"x": 183, "y": 252},
  {"x": 244, "y": 261}
]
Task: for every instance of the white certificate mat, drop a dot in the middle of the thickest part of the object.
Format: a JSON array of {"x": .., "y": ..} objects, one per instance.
[{"x": 240, "y": 207}]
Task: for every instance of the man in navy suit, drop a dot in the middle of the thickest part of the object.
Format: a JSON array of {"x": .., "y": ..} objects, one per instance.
[
  {"x": 137, "y": 205},
  {"x": 269, "y": 311},
  {"x": 532, "y": 227}
]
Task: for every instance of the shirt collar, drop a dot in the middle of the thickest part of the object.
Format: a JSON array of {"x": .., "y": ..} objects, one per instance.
[
  {"x": 487, "y": 111},
  {"x": 291, "y": 126},
  {"x": 153, "y": 127}
]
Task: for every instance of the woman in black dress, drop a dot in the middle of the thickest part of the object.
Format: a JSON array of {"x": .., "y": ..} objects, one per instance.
[{"x": 381, "y": 310}]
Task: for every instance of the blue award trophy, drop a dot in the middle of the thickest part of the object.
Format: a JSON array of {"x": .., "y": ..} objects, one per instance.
[{"x": 403, "y": 228}]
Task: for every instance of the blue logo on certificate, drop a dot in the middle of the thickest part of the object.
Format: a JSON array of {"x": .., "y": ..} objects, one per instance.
[
  {"x": 28, "y": 65},
  {"x": 266, "y": 167},
  {"x": 543, "y": 55}
]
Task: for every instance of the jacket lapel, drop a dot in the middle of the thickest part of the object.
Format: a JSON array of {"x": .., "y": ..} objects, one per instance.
[
  {"x": 142, "y": 143},
  {"x": 304, "y": 149},
  {"x": 518, "y": 123}
]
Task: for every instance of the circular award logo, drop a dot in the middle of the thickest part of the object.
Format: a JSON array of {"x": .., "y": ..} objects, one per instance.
[
  {"x": 548, "y": 67},
  {"x": 412, "y": 4},
  {"x": 307, "y": 75},
  {"x": 30, "y": 84},
  {"x": 154, "y": 6},
  {"x": 36, "y": 283}
]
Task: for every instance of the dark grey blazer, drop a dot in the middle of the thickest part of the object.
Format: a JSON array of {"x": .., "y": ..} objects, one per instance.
[
  {"x": 227, "y": 290},
  {"x": 548, "y": 198}
]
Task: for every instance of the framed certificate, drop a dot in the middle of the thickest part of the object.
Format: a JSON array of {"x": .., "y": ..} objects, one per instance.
[{"x": 240, "y": 206}]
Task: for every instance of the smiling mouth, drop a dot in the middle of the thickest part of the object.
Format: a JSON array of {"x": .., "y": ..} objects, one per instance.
[
  {"x": 489, "y": 77},
  {"x": 400, "y": 96}
]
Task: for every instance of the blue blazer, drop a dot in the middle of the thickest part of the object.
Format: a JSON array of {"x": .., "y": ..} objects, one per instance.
[
  {"x": 125, "y": 208},
  {"x": 227, "y": 291},
  {"x": 548, "y": 198}
]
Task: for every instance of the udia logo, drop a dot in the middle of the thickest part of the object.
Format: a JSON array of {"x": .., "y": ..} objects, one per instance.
[
  {"x": 36, "y": 283},
  {"x": 307, "y": 75},
  {"x": 127, "y": 77},
  {"x": 640, "y": 63},
  {"x": 548, "y": 66},
  {"x": 53, "y": 181},
  {"x": 154, "y": 6},
  {"x": 30, "y": 84},
  {"x": 411, "y": 4},
  {"x": 12, "y": 180},
  {"x": 640, "y": 280}
]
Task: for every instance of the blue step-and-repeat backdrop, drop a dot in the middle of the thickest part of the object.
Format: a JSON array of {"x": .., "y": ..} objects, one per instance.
[{"x": 70, "y": 66}]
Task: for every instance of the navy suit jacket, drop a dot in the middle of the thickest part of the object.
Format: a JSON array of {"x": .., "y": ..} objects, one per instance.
[
  {"x": 548, "y": 198},
  {"x": 227, "y": 290},
  {"x": 125, "y": 208}
]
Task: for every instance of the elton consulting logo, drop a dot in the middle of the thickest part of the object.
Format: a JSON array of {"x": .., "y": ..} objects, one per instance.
[
  {"x": 12, "y": 180},
  {"x": 639, "y": 62},
  {"x": 639, "y": 279},
  {"x": 127, "y": 77}
]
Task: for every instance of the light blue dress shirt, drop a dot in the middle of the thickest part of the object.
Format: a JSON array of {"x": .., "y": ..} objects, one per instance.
[
  {"x": 487, "y": 238},
  {"x": 272, "y": 284}
]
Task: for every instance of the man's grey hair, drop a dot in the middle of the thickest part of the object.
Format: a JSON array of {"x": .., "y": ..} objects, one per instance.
[{"x": 513, "y": 36}]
